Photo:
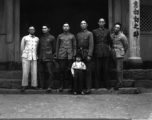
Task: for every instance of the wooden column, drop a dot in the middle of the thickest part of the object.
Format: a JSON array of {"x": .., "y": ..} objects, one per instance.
[
  {"x": 110, "y": 14},
  {"x": 9, "y": 30},
  {"x": 17, "y": 29},
  {"x": 134, "y": 59}
]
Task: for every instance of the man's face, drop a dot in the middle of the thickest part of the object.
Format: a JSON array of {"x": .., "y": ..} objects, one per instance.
[
  {"x": 117, "y": 28},
  {"x": 101, "y": 23},
  {"x": 66, "y": 27},
  {"x": 31, "y": 30},
  {"x": 45, "y": 29},
  {"x": 83, "y": 25}
]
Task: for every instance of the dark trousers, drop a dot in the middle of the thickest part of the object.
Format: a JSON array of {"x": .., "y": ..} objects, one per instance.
[
  {"x": 119, "y": 67},
  {"x": 78, "y": 80},
  {"x": 88, "y": 73},
  {"x": 43, "y": 66},
  {"x": 65, "y": 64},
  {"x": 102, "y": 69}
]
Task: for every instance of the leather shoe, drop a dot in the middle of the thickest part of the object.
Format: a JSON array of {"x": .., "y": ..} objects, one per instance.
[
  {"x": 88, "y": 91},
  {"x": 23, "y": 89},
  {"x": 49, "y": 90}
]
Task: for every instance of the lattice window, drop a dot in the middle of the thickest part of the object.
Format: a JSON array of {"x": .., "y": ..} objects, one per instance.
[{"x": 146, "y": 18}]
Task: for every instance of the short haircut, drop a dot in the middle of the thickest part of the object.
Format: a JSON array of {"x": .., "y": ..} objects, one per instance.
[
  {"x": 103, "y": 19},
  {"x": 67, "y": 24},
  {"x": 118, "y": 24},
  {"x": 47, "y": 25},
  {"x": 84, "y": 21},
  {"x": 31, "y": 26}
]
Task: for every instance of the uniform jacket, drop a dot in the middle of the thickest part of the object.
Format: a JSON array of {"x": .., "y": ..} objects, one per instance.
[
  {"x": 120, "y": 44},
  {"x": 85, "y": 43},
  {"x": 102, "y": 42},
  {"x": 30, "y": 47},
  {"x": 47, "y": 47},
  {"x": 66, "y": 44}
]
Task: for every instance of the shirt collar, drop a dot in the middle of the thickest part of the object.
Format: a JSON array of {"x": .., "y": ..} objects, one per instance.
[
  {"x": 65, "y": 33},
  {"x": 32, "y": 35},
  {"x": 101, "y": 28},
  {"x": 46, "y": 34},
  {"x": 84, "y": 30}
]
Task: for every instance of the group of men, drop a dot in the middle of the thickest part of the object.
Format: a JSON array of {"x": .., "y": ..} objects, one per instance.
[{"x": 100, "y": 44}]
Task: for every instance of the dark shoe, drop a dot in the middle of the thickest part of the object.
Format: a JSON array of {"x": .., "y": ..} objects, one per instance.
[
  {"x": 119, "y": 85},
  {"x": 88, "y": 91},
  {"x": 61, "y": 89},
  {"x": 35, "y": 88},
  {"x": 23, "y": 89},
  {"x": 74, "y": 93},
  {"x": 49, "y": 89},
  {"x": 97, "y": 87},
  {"x": 108, "y": 88}
]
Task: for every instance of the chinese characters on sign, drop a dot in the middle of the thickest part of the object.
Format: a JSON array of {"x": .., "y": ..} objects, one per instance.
[{"x": 136, "y": 19}]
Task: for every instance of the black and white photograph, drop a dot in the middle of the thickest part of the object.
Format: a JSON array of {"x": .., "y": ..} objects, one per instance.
[{"x": 76, "y": 59}]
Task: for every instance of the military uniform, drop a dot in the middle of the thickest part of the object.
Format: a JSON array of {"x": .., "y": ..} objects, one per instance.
[
  {"x": 85, "y": 48},
  {"x": 47, "y": 50},
  {"x": 29, "y": 59},
  {"x": 65, "y": 52},
  {"x": 102, "y": 52},
  {"x": 120, "y": 46}
]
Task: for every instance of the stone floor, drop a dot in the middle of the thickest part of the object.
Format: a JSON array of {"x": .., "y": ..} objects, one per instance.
[{"x": 113, "y": 106}]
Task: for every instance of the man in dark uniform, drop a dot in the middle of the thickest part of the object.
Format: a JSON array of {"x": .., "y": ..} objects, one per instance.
[
  {"x": 47, "y": 50},
  {"x": 85, "y": 48},
  {"x": 65, "y": 52},
  {"x": 102, "y": 43}
]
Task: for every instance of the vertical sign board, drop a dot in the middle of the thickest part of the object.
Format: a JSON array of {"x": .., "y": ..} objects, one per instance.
[
  {"x": 134, "y": 28},
  {"x": 134, "y": 34}
]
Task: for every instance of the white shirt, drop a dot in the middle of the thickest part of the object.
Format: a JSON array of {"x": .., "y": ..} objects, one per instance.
[
  {"x": 78, "y": 65},
  {"x": 30, "y": 50}
]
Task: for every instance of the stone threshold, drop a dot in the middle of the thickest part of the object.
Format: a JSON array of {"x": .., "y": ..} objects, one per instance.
[{"x": 128, "y": 90}]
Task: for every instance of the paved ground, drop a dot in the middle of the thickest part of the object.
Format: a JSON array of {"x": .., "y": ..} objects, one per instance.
[{"x": 134, "y": 106}]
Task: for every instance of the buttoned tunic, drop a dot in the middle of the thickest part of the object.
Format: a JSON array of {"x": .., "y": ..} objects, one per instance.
[
  {"x": 102, "y": 42},
  {"x": 120, "y": 44},
  {"x": 47, "y": 47},
  {"x": 66, "y": 46},
  {"x": 30, "y": 50},
  {"x": 85, "y": 43}
]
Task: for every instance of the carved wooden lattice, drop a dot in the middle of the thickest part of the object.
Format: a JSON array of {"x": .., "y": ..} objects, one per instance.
[{"x": 146, "y": 18}]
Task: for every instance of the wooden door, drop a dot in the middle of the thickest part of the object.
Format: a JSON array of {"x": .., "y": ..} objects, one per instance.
[{"x": 58, "y": 12}]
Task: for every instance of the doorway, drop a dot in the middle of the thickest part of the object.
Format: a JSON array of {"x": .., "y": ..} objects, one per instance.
[{"x": 57, "y": 12}]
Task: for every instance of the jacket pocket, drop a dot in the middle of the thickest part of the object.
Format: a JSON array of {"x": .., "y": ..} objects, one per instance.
[{"x": 25, "y": 54}]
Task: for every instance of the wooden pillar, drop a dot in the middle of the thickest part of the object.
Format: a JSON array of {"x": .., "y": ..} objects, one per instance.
[
  {"x": 117, "y": 11},
  {"x": 134, "y": 59},
  {"x": 9, "y": 30},
  {"x": 110, "y": 13},
  {"x": 17, "y": 29}
]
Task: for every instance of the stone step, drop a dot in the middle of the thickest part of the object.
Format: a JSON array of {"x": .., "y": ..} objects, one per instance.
[
  {"x": 16, "y": 83},
  {"x": 135, "y": 74},
  {"x": 65, "y": 91}
]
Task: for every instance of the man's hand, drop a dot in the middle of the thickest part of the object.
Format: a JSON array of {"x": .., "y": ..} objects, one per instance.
[
  {"x": 88, "y": 58},
  {"x": 54, "y": 56}
]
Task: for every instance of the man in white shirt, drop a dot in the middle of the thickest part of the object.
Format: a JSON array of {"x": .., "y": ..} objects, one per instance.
[{"x": 29, "y": 46}]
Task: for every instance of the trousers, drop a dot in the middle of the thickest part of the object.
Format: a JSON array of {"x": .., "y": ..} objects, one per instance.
[
  {"x": 78, "y": 80},
  {"x": 102, "y": 69},
  {"x": 29, "y": 65},
  {"x": 43, "y": 66},
  {"x": 119, "y": 67}
]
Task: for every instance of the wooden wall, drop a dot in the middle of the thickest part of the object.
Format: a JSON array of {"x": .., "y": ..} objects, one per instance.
[
  {"x": 3, "y": 44},
  {"x": 9, "y": 31}
]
